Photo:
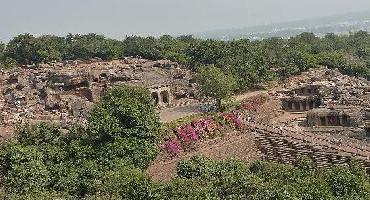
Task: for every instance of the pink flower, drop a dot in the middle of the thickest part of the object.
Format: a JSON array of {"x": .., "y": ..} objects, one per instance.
[
  {"x": 232, "y": 119},
  {"x": 173, "y": 146},
  {"x": 187, "y": 134}
]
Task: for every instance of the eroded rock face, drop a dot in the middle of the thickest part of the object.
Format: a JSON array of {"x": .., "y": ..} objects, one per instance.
[
  {"x": 337, "y": 103},
  {"x": 64, "y": 92}
]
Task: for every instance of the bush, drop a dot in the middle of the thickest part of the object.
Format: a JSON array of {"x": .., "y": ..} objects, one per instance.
[
  {"x": 264, "y": 180},
  {"x": 346, "y": 183},
  {"x": 41, "y": 160},
  {"x": 124, "y": 112},
  {"x": 40, "y": 134},
  {"x": 185, "y": 189},
  {"x": 23, "y": 169},
  {"x": 125, "y": 183}
]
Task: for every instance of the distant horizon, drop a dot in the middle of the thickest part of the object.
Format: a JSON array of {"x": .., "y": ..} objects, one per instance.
[
  {"x": 295, "y": 20},
  {"x": 119, "y": 18}
]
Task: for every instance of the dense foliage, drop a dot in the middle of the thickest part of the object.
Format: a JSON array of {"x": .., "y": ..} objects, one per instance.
[
  {"x": 215, "y": 84},
  {"x": 205, "y": 178},
  {"x": 106, "y": 158},
  {"x": 248, "y": 61},
  {"x": 107, "y": 161}
]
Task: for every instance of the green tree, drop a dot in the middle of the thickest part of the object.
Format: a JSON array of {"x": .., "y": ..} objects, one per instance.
[
  {"x": 140, "y": 46},
  {"x": 125, "y": 183},
  {"x": 206, "y": 52},
  {"x": 124, "y": 124},
  {"x": 2, "y": 52},
  {"x": 215, "y": 84},
  {"x": 49, "y": 48},
  {"x": 124, "y": 111},
  {"x": 91, "y": 46},
  {"x": 23, "y": 169},
  {"x": 22, "y": 49}
]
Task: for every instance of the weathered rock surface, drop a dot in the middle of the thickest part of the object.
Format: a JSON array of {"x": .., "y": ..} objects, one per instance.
[{"x": 64, "y": 92}]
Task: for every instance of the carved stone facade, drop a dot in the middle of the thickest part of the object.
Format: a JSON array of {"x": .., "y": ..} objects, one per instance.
[
  {"x": 300, "y": 104},
  {"x": 331, "y": 101},
  {"x": 335, "y": 117},
  {"x": 303, "y": 98},
  {"x": 162, "y": 95}
]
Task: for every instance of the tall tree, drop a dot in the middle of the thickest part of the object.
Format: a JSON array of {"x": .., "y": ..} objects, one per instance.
[
  {"x": 49, "y": 48},
  {"x": 22, "y": 49},
  {"x": 215, "y": 84}
]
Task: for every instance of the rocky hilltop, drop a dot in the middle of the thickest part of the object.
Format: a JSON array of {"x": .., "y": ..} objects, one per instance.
[{"x": 64, "y": 92}]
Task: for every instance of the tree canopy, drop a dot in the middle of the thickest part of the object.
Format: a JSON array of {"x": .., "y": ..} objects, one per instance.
[
  {"x": 107, "y": 157},
  {"x": 215, "y": 84},
  {"x": 248, "y": 61}
]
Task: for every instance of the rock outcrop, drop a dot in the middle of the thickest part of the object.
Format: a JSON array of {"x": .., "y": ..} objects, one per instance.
[{"x": 64, "y": 92}]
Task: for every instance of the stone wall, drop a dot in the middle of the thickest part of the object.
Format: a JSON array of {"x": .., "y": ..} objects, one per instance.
[{"x": 309, "y": 90}]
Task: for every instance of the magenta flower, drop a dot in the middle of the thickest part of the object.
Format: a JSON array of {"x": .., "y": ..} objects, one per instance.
[{"x": 173, "y": 146}]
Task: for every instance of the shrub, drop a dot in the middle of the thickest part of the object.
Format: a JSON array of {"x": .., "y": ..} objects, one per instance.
[
  {"x": 232, "y": 119},
  {"x": 125, "y": 183},
  {"x": 173, "y": 146},
  {"x": 124, "y": 111},
  {"x": 40, "y": 134},
  {"x": 23, "y": 169}
]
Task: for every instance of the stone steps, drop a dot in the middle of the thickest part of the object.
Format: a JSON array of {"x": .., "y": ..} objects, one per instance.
[{"x": 278, "y": 146}]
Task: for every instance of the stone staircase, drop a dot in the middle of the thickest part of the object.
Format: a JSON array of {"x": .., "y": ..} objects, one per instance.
[
  {"x": 301, "y": 121},
  {"x": 287, "y": 146}
]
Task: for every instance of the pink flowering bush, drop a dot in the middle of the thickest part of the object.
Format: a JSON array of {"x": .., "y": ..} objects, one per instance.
[
  {"x": 173, "y": 146},
  {"x": 211, "y": 126},
  {"x": 188, "y": 135},
  {"x": 199, "y": 127},
  {"x": 204, "y": 127},
  {"x": 232, "y": 119}
]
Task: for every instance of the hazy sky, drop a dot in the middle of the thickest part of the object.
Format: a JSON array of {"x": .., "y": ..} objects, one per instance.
[{"x": 117, "y": 18}]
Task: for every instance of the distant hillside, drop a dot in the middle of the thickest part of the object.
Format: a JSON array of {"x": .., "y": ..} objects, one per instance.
[{"x": 333, "y": 24}]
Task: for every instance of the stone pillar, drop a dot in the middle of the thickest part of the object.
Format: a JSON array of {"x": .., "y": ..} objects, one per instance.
[
  {"x": 301, "y": 106},
  {"x": 327, "y": 120},
  {"x": 160, "y": 100},
  {"x": 297, "y": 106},
  {"x": 323, "y": 121},
  {"x": 312, "y": 105},
  {"x": 289, "y": 105}
]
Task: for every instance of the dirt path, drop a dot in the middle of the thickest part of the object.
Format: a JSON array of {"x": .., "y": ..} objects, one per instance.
[{"x": 171, "y": 114}]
